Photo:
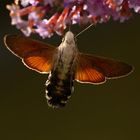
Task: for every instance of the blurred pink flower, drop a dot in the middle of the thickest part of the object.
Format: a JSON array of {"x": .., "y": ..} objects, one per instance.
[{"x": 47, "y": 17}]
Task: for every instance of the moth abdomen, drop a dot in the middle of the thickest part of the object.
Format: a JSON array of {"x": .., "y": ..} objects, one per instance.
[
  {"x": 58, "y": 91},
  {"x": 56, "y": 95}
]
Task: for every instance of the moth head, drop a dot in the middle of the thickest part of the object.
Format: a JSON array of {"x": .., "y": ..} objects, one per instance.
[{"x": 69, "y": 38}]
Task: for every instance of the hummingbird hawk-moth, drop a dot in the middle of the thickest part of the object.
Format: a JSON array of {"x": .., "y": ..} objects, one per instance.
[{"x": 64, "y": 64}]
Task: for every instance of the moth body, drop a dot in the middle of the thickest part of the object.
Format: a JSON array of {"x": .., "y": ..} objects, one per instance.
[{"x": 60, "y": 81}]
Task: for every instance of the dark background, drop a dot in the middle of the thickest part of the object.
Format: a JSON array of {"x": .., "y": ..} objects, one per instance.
[{"x": 106, "y": 112}]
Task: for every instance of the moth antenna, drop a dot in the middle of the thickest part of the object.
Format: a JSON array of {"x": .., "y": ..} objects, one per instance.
[{"x": 84, "y": 30}]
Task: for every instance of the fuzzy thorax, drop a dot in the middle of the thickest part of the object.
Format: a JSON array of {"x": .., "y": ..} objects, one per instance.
[{"x": 67, "y": 48}]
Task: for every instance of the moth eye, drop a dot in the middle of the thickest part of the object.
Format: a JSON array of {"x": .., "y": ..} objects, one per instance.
[{"x": 63, "y": 39}]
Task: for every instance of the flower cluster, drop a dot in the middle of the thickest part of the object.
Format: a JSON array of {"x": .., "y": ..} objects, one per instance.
[{"x": 46, "y": 17}]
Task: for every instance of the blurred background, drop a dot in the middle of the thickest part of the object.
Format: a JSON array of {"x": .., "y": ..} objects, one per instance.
[{"x": 105, "y": 112}]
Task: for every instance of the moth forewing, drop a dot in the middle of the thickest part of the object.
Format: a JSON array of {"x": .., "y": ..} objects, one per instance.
[{"x": 35, "y": 55}]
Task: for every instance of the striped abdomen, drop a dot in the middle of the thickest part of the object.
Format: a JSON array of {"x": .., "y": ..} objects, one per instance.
[{"x": 59, "y": 85}]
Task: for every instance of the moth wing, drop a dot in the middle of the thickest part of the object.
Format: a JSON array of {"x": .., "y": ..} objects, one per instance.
[
  {"x": 34, "y": 54},
  {"x": 95, "y": 69},
  {"x": 86, "y": 72}
]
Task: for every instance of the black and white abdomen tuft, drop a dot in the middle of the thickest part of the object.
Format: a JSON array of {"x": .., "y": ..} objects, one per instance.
[{"x": 58, "y": 90}]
